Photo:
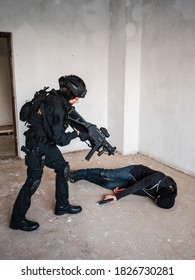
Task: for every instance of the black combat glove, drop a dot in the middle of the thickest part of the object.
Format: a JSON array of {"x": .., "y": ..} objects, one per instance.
[{"x": 84, "y": 136}]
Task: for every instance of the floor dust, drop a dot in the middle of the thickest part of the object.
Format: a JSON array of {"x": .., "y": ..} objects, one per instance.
[{"x": 131, "y": 228}]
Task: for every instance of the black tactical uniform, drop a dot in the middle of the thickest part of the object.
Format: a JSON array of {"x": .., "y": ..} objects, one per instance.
[{"x": 46, "y": 131}]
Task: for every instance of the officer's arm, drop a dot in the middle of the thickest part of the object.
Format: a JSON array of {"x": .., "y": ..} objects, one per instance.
[{"x": 60, "y": 137}]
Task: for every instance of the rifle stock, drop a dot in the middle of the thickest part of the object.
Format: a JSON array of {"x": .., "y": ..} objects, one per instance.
[{"x": 97, "y": 137}]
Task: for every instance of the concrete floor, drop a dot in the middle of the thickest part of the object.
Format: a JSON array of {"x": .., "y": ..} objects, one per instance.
[{"x": 131, "y": 228}]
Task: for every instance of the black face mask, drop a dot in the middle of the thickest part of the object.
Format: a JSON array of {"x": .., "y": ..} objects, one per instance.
[{"x": 166, "y": 198}]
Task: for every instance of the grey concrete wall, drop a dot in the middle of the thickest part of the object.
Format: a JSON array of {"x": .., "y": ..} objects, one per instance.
[
  {"x": 124, "y": 74},
  {"x": 116, "y": 72},
  {"x": 101, "y": 41},
  {"x": 54, "y": 38},
  {"x": 132, "y": 76},
  {"x": 167, "y": 115}
]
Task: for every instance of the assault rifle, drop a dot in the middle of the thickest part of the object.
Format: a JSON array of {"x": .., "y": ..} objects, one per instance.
[{"x": 97, "y": 137}]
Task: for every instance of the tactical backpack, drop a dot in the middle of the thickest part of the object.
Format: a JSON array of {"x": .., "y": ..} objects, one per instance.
[{"x": 33, "y": 105}]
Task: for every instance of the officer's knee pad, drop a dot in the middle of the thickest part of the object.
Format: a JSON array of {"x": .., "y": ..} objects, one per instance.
[
  {"x": 35, "y": 186},
  {"x": 66, "y": 170},
  {"x": 63, "y": 170},
  {"x": 32, "y": 186}
]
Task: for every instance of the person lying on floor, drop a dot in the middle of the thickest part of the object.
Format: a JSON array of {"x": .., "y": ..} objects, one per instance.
[{"x": 132, "y": 179}]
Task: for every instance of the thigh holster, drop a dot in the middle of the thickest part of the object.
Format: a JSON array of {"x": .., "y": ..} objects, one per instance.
[{"x": 34, "y": 159}]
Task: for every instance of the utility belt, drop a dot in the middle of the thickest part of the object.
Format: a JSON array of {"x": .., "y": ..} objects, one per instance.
[
  {"x": 32, "y": 135},
  {"x": 43, "y": 139}
]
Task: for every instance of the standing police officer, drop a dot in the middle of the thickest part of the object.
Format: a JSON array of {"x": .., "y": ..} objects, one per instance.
[{"x": 46, "y": 131}]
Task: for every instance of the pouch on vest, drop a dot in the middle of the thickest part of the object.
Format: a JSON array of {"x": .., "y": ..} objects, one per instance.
[{"x": 25, "y": 111}]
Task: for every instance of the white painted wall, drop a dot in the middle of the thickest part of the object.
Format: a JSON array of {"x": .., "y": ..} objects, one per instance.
[
  {"x": 116, "y": 72},
  {"x": 132, "y": 76},
  {"x": 124, "y": 74},
  {"x": 167, "y": 115},
  {"x": 109, "y": 44},
  {"x": 55, "y": 38}
]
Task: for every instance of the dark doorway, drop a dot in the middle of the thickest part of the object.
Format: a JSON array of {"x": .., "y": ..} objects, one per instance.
[{"x": 8, "y": 139}]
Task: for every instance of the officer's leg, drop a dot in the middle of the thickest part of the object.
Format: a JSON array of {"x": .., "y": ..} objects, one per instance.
[
  {"x": 35, "y": 165},
  {"x": 55, "y": 160},
  {"x": 23, "y": 200},
  {"x": 62, "y": 192}
]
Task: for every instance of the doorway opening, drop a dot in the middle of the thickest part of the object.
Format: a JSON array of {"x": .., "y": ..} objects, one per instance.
[{"x": 8, "y": 138}]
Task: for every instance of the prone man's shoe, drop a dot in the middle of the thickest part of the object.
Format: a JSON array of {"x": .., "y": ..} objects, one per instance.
[
  {"x": 69, "y": 175},
  {"x": 69, "y": 209},
  {"x": 72, "y": 177},
  {"x": 24, "y": 225}
]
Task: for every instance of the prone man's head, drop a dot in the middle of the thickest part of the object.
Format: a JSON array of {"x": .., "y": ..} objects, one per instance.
[
  {"x": 165, "y": 199},
  {"x": 166, "y": 193},
  {"x": 72, "y": 87}
]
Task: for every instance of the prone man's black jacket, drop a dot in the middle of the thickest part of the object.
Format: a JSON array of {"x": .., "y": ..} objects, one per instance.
[{"x": 148, "y": 181}]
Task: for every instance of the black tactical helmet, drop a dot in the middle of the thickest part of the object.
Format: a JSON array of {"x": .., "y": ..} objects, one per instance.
[{"x": 75, "y": 84}]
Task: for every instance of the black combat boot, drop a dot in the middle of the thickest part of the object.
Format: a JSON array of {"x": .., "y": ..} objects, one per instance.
[
  {"x": 69, "y": 209},
  {"x": 24, "y": 225}
]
